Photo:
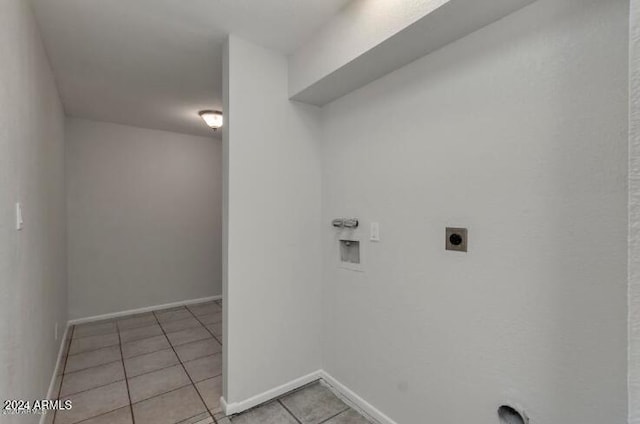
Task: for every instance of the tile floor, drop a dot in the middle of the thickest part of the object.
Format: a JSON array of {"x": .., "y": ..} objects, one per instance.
[
  {"x": 166, "y": 367},
  {"x": 313, "y": 404}
]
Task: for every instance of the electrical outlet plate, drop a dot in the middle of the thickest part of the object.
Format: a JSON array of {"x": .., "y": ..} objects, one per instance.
[{"x": 456, "y": 239}]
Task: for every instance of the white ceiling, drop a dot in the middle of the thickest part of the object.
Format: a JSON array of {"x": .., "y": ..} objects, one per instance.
[{"x": 156, "y": 63}]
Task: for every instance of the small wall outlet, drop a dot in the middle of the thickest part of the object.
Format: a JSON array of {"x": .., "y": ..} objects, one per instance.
[{"x": 55, "y": 332}]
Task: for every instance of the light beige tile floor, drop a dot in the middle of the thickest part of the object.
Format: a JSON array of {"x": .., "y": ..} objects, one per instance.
[
  {"x": 165, "y": 367},
  {"x": 144, "y": 369},
  {"x": 313, "y": 404}
]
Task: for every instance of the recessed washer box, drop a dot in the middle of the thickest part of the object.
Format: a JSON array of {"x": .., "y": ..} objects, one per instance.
[
  {"x": 350, "y": 251},
  {"x": 350, "y": 255}
]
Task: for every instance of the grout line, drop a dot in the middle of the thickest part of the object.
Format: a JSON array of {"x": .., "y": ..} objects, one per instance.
[
  {"x": 215, "y": 338},
  {"x": 185, "y": 370},
  {"x": 220, "y": 412},
  {"x": 64, "y": 368},
  {"x": 197, "y": 325},
  {"x": 104, "y": 413},
  {"x": 208, "y": 378},
  {"x": 93, "y": 366},
  {"x": 205, "y": 412},
  {"x": 142, "y": 325},
  {"x": 95, "y": 335},
  {"x": 287, "y": 409},
  {"x": 163, "y": 393},
  {"x": 207, "y": 323},
  {"x": 97, "y": 387},
  {"x": 149, "y": 372},
  {"x": 301, "y": 388},
  {"x": 91, "y": 350},
  {"x": 339, "y": 413},
  {"x": 126, "y": 380},
  {"x": 198, "y": 340},
  {"x": 66, "y": 357},
  {"x": 158, "y": 350},
  {"x": 205, "y": 327},
  {"x": 147, "y": 353}
]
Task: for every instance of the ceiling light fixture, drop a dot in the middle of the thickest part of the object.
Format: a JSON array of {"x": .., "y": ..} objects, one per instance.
[{"x": 213, "y": 118}]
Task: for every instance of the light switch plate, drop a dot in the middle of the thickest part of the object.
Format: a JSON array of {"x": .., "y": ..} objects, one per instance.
[
  {"x": 19, "y": 220},
  {"x": 374, "y": 233}
]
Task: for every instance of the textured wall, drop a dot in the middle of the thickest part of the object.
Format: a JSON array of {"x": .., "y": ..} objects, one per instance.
[
  {"x": 273, "y": 253},
  {"x": 32, "y": 261},
  {"x": 634, "y": 216},
  {"x": 144, "y": 217},
  {"x": 518, "y": 131}
]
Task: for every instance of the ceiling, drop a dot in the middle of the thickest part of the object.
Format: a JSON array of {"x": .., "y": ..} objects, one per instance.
[{"x": 156, "y": 63}]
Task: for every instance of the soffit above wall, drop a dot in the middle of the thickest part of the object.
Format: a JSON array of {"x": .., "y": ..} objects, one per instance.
[{"x": 371, "y": 38}]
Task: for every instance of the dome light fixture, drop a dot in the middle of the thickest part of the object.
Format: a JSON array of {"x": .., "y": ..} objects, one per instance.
[{"x": 213, "y": 118}]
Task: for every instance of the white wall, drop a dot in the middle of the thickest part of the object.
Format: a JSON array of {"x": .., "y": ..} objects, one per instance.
[
  {"x": 144, "y": 217},
  {"x": 519, "y": 133},
  {"x": 634, "y": 216},
  {"x": 273, "y": 246},
  {"x": 32, "y": 261}
]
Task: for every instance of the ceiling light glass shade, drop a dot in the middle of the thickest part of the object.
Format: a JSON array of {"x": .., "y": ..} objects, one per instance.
[{"x": 213, "y": 118}]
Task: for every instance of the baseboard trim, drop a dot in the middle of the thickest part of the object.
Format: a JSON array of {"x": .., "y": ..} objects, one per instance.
[
  {"x": 237, "y": 407},
  {"x": 143, "y": 310},
  {"x": 346, "y": 394},
  {"x": 224, "y": 406},
  {"x": 61, "y": 351},
  {"x": 356, "y": 401}
]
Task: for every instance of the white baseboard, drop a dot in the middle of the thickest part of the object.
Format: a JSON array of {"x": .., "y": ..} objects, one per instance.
[
  {"x": 355, "y": 401},
  {"x": 52, "y": 383},
  {"x": 342, "y": 391},
  {"x": 143, "y": 310},
  {"x": 224, "y": 406},
  {"x": 237, "y": 407}
]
